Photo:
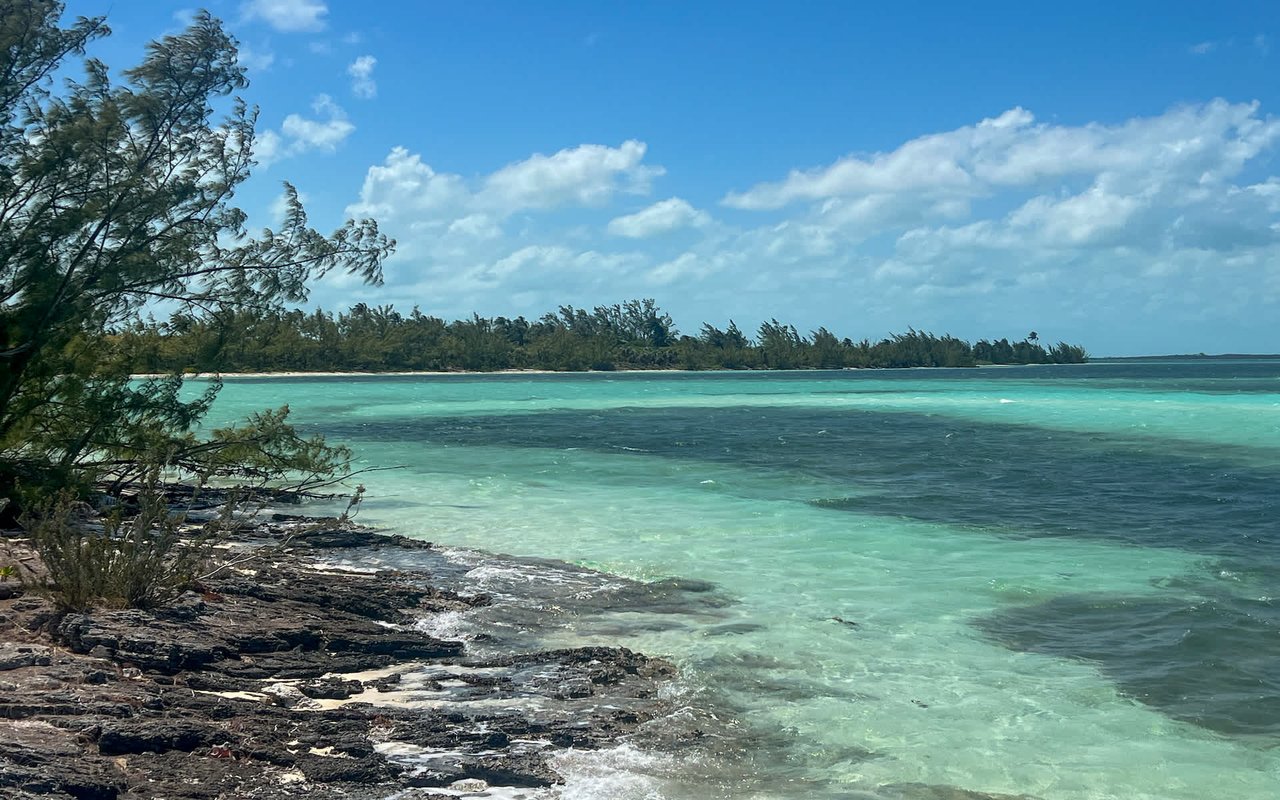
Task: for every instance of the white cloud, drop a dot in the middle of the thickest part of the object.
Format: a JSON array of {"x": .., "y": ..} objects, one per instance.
[
  {"x": 319, "y": 134},
  {"x": 586, "y": 175},
  {"x": 290, "y": 16},
  {"x": 661, "y": 217},
  {"x": 255, "y": 59},
  {"x": 404, "y": 186},
  {"x": 682, "y": 265},
  {"x": 583, "y": 176},
  {"x": 1268, "y": 189},
  {"x": 361, "y": 72},
  {"x": 1260, "y": 43},
  {"x": 1091, "y": 217},
  {"x": 268, "y": 147},
  {"x": 454, "y": 237},
  {"x": 1012, "y": 151},
  {"x": 299, "y": 134},
  {"x": 931, "y": 162},
  {"x": 476, "y": 226},
  {"x": 531, "y": 258}
]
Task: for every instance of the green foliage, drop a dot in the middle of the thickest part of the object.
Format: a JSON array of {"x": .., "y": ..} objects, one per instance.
[
  {"x": 135, "y": 562},
  {"x": 116, "y": 198},
  {"x": 261, "y": 448},
  {"x": 1027, "y": 351},
  {"x": 632, "y": 335}
]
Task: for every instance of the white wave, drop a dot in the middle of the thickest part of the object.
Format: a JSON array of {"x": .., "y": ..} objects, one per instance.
[
  {"x": 619, "y": 773},
  {"x": 444, "y": 625}
]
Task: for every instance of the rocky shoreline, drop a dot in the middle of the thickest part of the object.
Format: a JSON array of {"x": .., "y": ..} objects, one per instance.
[{"x": 296, "y": 673}]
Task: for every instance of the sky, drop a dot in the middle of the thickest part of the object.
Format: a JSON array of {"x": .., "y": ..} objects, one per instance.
[{"x": 1103, "y": 173}]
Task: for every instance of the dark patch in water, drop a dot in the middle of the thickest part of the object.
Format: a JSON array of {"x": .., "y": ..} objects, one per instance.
[
  {"x": 1012, "y": 480},
  {"x": 1214, "y": 662},
  {"x": 733, "y": 629},
  {"x": 925, "y": 791},
  {"x": 666, "y": 596}
]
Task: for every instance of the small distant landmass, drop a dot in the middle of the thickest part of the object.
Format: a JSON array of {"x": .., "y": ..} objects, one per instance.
[
  {"x": 635, "y": 335},
  {"x": 1188, "y": 357}
]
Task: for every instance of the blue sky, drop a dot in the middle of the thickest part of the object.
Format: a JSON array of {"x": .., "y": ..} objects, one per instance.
[{"x": 1102, "y": 173}]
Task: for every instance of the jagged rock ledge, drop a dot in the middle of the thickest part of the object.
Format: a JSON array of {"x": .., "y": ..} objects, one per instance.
[{"x": 285, "y": 677}]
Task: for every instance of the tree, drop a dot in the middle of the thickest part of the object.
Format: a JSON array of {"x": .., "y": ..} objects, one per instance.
[
  {"x": 116, "y": 200},
  {"x": 828, "y": 352},
  {"x": 781, "y": 346}
]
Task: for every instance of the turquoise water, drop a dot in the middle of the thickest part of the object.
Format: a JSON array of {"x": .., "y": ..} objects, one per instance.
[{"x": 1052, "y": 581}]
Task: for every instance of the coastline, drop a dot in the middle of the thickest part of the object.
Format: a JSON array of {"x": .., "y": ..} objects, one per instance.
[
  {"x": 339, "y": 665},
  {"x": 516, "y": 372},
  {"x": 401, "y": 374}
]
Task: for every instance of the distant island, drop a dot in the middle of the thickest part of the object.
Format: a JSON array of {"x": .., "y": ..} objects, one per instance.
[
  {"x": 635, "y": 335},
  {"x": 1190, "y": 357}
]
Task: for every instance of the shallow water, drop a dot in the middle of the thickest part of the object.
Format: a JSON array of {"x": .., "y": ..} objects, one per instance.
[{"x": 1056, "y": 581}]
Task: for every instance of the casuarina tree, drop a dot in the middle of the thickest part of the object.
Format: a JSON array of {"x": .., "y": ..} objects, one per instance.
[{"x": 116, "y": 200}]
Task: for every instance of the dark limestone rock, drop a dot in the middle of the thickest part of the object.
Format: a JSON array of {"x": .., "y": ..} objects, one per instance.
[
  {"x": 157, "y": 736},
  {"x": 385, "y": 684},
  {"x": 328, "y": 769},
  {"x": 238, "y": 692},
  {"x": 14, "y": 655},
  {"x": 330, "y": 688}
]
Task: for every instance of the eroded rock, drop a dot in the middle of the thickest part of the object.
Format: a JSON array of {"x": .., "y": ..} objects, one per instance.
[{"x": 287, "y": 676}]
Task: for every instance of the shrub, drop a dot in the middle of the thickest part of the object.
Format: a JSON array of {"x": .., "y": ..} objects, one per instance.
[{"x": 117, "y": 562}]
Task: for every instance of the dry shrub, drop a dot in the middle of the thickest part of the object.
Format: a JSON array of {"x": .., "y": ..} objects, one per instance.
[{"x": 139, "y": 561}]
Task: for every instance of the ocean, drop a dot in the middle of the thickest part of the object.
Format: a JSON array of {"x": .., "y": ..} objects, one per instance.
[{"x": 1059, "y": 582}]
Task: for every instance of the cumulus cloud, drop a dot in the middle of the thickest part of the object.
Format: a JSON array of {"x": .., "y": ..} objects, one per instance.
[
  {"x": 290, "y": 16},
  {"x": 1011, "y": 150},
  {"x": 361, "y": 72},
  {"x": 299, "y": 134},
  {"x": 1090, "y": 217},
  {"x": 404, "y": 186},
  {"x": 584, "y": 176},
  {"x": 453, "y": 230},
  {"x": 661, "y": 217},
  {"x": 255, "y": 59},
  {"x": 693, "y": 267}
]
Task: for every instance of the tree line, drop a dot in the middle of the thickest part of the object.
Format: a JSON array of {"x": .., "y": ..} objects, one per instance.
[{"x": 632, "y": 335}]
